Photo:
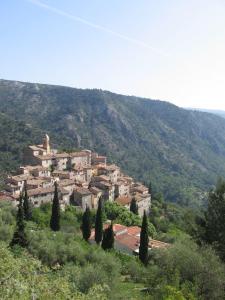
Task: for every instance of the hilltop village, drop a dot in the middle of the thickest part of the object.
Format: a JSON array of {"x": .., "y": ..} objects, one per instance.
[{"x": 83, "y": 177}]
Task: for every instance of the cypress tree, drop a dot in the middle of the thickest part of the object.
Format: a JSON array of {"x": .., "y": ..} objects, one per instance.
[
  {"x": 55, "y": 217},
  {"x": 108, "y": 238},
  {"x": 19, "y": 237},
  {"x": 144, "y": 240},
  {"x": 26, "y": 205},
  {"x": 86, "y": 224},
  {"x": 134, "y": 206},
  {"x": 98, "y": 223},
  {"x": 150, "y": 187}
]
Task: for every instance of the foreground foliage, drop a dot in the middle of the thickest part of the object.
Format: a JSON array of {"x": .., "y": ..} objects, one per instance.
[{"x": 62, "y": 265}]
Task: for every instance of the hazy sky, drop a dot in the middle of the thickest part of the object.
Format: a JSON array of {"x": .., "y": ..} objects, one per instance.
[{"x": 162, "y": 49}]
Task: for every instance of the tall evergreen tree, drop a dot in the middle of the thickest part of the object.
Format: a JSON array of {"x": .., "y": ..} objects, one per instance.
[
  {"x": 26, "y": 205},
  {"x": 19, "y": 237},
  {"x": 150, "y": 187},
  {"x": 134, "y": 206},
  {"x": 86, "y": 224},
  {"x": 144, "y": 240},
  {"x": 98, "y": 223},
  {"x": 108, "y": 238},
  {"x": 55, "y": 217}
]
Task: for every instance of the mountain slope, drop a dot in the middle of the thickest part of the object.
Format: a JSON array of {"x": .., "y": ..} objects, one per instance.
[
  {"x": 181, "y": 151},
  {"x": 217, "y": 112}
]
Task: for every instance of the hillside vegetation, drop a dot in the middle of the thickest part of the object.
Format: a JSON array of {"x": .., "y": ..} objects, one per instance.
[{"x": 182, "y": 152}]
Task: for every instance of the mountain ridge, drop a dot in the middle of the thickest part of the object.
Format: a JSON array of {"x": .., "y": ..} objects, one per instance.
[{"x": 182, "y": 152}]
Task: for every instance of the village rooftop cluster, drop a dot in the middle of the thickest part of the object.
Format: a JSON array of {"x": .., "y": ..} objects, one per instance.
[{"x": 83, "y": 177}]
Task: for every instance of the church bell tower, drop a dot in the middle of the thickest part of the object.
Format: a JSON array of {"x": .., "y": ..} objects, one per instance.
[{"x": 46, "y": 144}]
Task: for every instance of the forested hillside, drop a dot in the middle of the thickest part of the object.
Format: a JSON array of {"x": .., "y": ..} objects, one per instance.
[{"x": 182, "y": 152}]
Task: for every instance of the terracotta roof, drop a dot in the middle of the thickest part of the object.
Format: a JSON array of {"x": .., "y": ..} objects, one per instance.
[
  {"x": 131, "y": 242},
  {"x": 101, "y": 178},
  {"x": 112, "y": 167},
  {"x": 83, "y": 191},
  {"x": 64, "y": 191},
  {"x": 106, "y": 184},
  {"x": 60, "y": 172},
  {"x": 66, "y": 182},
  {"x": 61, "y": 155},
  {"x": 134, "y": 230},
  {"x": 40, "y": 191},
  {"x": 122, "y": 182},
  {"x": 123, "y": 200},
  {"x": 130, "y": 237},
  {"x": 140, "y": 188},
  {"x": 95, "y": 190},
  {"x": 31, "y": 168},
  {"x": 98, "y": 166},
  {"x": 79, "y": 154},
  {"x": 158, "y": 244},
  {"x": 104, "y": 178},
  {"x": 35, "y": 181},
  {"x": 37, "y": 147},
  {"x": 140, "y": 197},
  {"x": 6, "y": 197},
  {"x": 21, "y": 177}
]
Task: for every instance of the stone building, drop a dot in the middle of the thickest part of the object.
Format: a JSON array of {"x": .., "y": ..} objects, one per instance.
[
  {"x": 82, "y": 198},
  {"x": 82, "y": 176}
]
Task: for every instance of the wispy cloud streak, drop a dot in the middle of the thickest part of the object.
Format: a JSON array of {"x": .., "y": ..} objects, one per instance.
[{"x": 96, "y": 26}]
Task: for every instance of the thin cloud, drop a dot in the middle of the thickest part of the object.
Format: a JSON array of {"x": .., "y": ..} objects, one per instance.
[{"x": 96, "y": 26}]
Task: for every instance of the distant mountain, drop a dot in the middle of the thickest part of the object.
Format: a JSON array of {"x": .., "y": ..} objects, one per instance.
[
  {"x": 220, "y": 113},
  {"x": 182, "y": 152}
]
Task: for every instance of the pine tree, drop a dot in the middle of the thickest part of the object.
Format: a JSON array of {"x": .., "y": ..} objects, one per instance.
[
  {"x": 26, "y": 205},
  {"x": 86, "y": 224},
  {"x": 19, "y": 237},
  {"x": 108, "y": 238},
  {"x": 55, "y": 217},
  {"x": 144, "y": 240},
  {"x": 98, "y": 223},
  {"x": 134, "y": 206}
]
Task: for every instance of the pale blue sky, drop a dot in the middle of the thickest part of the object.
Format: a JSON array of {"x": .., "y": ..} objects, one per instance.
[{"x": 163, "y": 49}]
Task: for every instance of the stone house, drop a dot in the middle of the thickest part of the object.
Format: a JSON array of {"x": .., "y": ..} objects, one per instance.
[
  {"x": 45, "y": 195},
  {"x": 88, "y": 174},
  {"x": 107, "y": 190},
  {"x": 32, "y": 152},
  {"x": 112, "y": 171},
  {"x": 124, "y": 201},
  {"x": 122, "y": 188},
  {"x": 40, "y": 196},
  {"x": 61, "y": 174},
  {"x": 96, "y": 194},
  {"x": 82, "y": 198},
  {"x": 35, "y": 183},
  {"x": 61, "y": 161},
  {"x": 67, "y": 184},
  {"x": 143, "y": 202},
  {"x": 98, "y": 159},
  {"x": 35, "y": 171},
  {"x": 14, "y": 184},
  {"x": 44, "y": 160},
  {"x": 79, "y": 173},
  {"x": 79, "y": 159}
]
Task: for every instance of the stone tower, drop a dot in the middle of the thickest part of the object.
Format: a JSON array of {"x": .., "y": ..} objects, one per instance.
[{"x": 46, "y": 144}]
